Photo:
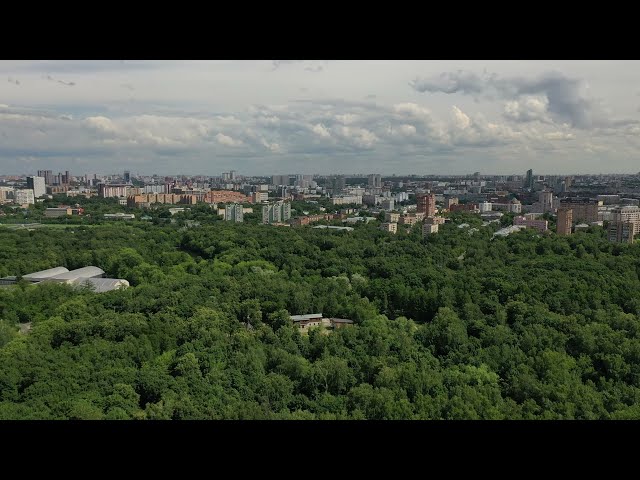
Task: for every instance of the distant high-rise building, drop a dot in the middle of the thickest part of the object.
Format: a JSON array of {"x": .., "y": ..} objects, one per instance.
[
  {"x": 280, "y": 180},
  {"x": 545, "y": 198},
  {"x": 336, "y": 184},
  {"x": 627, "y": 214},
  {"x": 127, "y": 176},
  {"x": 233, "y": 175},
  {"x": 233, "y": 212},
  {"x": 621, "y": 232},
  {"x": 47, "y": 175},
  {"x": 375, "y": 180},
  {"x": 426, "y": 204},
  {"x": 37, "y": 184},
  {"x": 276, "y": 212},
  {"x": 567, "y": 184},
  {"x": 528, "y": 181},
  {"x": 66, "y": 178},
  {"x": 476, "y": 176},
  {"x": 564, "y": 221},
  {"x": 584, "y": 209}
]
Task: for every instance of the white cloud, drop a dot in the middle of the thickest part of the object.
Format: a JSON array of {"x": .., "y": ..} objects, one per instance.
[
  {"x": 227, "y": 140},
  {"x": 320, "y": 130}
]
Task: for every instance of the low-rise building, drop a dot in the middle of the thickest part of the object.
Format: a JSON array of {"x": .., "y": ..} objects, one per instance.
[
  {"x": 392, "y": 217},
  {"x": 119, "y": 216},
  {"x": 540, "y": 225},
  {"x": 389, "y": 227},
  {"x": 428, "y": 229}
]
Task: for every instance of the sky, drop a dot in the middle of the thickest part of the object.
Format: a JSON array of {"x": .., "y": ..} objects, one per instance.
[{"x": 262, "y": 117}]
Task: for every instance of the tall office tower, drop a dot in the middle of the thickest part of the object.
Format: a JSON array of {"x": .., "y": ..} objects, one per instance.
[
  {"x": 233, "y": 212},
  {"x": 48, "y": 176},
  {"x": 127, "y": 176},
  {"x": 226, "y": 176},
  {"x": 426, "y": 204},
  {"x": 564, "y": 221},
  {"x": 621, "y": 232},
  {"x": 375, "y": 180},
  {"x": 528, "y": 181},
  {"x": 66, "y": 179},
  {"x": 37, "y": 184},
  {"x": 546, "y": 200},
  {"x": 233, "y": 175},
  {"x": 476, "y": 176}
]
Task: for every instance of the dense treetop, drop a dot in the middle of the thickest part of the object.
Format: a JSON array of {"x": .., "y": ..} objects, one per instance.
[{"x": 460, "y": 325}]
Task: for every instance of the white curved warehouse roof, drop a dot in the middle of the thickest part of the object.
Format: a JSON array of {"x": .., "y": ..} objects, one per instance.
[
  {"x": 52, "y": 272},
  {"x": 102, "y": 284},
  {"x": 88, "y": 272}
]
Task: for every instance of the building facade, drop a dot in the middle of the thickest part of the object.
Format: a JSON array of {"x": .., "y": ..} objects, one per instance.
[
  {"x": 584, "y": 209},
  {"x": 24, "y": 196},
  {"x": 564, "y": 221},
  {"x": 426, "y": 204},
  {"x": 389, "y": 227},
  {"x": 233, "y": 213},
  {"x": 276, "y": 212},
  {"x": 37, "y": 184},
  {"x": 621, "y": 232}
]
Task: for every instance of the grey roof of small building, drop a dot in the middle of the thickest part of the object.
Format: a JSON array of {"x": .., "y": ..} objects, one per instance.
[
  {"x": 101, "y": 285},
  {"x": 88, "y": 272},
  {"x": 51, "y": 272},
  {"x": 341, "y": 320},
  {"x": 308, "y": 316}
]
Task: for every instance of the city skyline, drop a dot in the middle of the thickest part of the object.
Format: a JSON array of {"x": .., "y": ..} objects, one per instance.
[{"x": 337, "y": 117}]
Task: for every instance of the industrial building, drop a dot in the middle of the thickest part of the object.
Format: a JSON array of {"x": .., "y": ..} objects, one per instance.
[{"x": 86, "y": 276}]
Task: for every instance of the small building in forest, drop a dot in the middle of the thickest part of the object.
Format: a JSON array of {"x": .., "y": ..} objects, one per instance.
[{"x": 305, "y": 322}]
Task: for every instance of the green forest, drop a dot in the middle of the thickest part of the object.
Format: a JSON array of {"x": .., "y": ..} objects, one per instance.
[{"x": 460, "y": 325}]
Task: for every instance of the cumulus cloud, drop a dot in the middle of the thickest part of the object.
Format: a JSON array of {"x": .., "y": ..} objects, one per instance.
[
  {"x": 320, "y": 130},
  {"x": 528, "y": 109},
  {"x": 223, "y": 139},
  {"x": 565, "y": 98}
]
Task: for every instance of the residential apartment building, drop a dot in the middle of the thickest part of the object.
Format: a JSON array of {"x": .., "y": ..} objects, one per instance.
[
  {"x": 276, "y": 212},
  {"x": 584, "y": 209},
  {"x": 540, "y": 225},
  {"x": 392, "y": 217},
  {"x": 24, "y": 196},
  {"x": 627, "y": 214},
  {"x": 450, "y": 201},
  {"x": 426, "y": 204},
  {"x": 346, "y": 200},
  {"x": 226, "y": 196},
  {"x": 233, "y": 213},
  {"x": 621, "y": 232},
  {"x": 428, "y": 229},
  {"x": 375, "y": 180},
  {"x": 113, "y": 190},
  {"x": 564, "y": 221},
  {"x": 389, "y": 227}
]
